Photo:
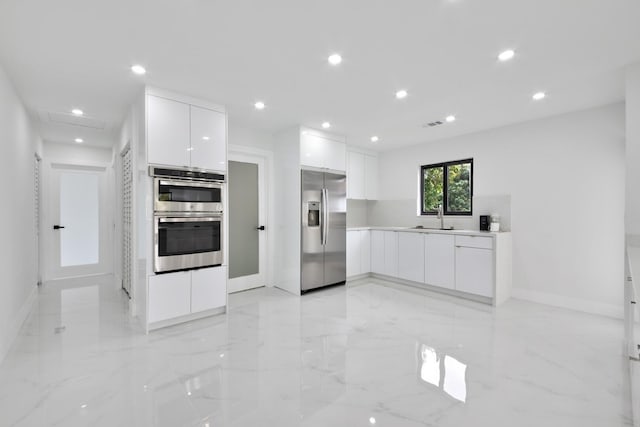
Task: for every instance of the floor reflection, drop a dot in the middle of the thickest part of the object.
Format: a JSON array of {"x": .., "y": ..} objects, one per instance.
[{"x": 442, "y": 371}]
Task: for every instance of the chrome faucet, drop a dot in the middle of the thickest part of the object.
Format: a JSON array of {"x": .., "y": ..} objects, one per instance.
[{"x": 441, "y": 216}]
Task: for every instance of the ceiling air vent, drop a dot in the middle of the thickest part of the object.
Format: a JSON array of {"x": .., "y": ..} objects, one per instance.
[
  {"x": 70, "y": 119},
  {"x": 432, "y": 124}
]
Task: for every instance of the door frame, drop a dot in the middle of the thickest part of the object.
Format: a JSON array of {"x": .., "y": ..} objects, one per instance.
[
  {"x": 48, "y": 216},
  {"x": 264, "y": 159}
]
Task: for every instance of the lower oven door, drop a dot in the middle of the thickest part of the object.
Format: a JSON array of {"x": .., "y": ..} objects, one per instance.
[{"x": 184, "y": 242}]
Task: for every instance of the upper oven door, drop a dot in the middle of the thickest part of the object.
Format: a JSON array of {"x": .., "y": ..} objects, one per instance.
[{"x": 187, "y": 196}]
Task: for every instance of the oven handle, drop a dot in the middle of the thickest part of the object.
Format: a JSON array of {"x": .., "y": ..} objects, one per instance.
[
  {"x": 191, "y": 219},
  {"x": 191, "y": 184}
]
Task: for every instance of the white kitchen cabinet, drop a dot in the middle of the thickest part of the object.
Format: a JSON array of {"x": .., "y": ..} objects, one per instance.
[
  {"x": 362, "y": 176},
  {"x": 474, "y": 270},
  {"x": 167, "y": 132},
  {"x": 355, "y": 175},
  {"x": 322, "y": 152},
  {"x": 208, "y": 139},
  {"x": 371, "y": 177},
  {"x": 411, "y": 256},
  {"x": 377, "y": 252},
  {"x": 354, "y": 262},
  {"x": 439, "y": 260},
  {"x": 208, "y": 288},
  {"x": 169, "y": 296},
  {"x": 180, "y": 134},
  {"x": 365, "y": 251},
  {"x": 391, "y": 253},
  {"x": 181, "y": 293}
]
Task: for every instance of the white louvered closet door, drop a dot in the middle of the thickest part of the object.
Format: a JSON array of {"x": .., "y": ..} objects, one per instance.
[{"x": 127, "y": 213}]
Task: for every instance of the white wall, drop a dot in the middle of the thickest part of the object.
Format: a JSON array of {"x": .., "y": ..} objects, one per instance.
[
  {"x": 18, "y": 252},
  {"x": 76, "y": 154},
  {"x": 565, "y": 176},
  {"x": 240, "y": 135}
]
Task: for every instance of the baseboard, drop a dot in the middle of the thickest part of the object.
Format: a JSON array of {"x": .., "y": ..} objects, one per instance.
[
  {"x": 16, "y": 324},
  {"x": 576, "y": 304}
]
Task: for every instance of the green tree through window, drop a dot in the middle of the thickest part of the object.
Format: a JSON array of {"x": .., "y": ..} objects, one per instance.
[{"x": 453, "y": 179}]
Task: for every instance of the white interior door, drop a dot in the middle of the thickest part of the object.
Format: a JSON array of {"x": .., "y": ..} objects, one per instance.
[
  {"x": 247, "y": 215},
  {"x": 78, "y": 221}
]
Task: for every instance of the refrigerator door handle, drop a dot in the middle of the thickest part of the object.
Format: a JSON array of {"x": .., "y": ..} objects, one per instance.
[
  {"x": 322, "y": 219},
  {"x": 326, "y": 215}
]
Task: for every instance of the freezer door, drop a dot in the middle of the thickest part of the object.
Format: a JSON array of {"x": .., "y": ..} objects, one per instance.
[
  {"x": 335, "y": 250},
  {"x": 312, "y": 223}
]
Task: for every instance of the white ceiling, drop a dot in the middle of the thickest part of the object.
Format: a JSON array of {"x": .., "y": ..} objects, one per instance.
[{"x": 76, "y": 53}]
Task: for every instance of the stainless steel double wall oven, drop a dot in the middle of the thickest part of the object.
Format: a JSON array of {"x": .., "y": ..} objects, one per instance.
[{"x": 188, "y": 218}]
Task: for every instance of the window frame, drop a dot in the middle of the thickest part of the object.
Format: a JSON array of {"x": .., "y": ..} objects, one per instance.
[{"x": 445, "y": 187}]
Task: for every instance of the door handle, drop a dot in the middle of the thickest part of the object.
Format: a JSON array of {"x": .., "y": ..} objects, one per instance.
[
  {"x": 58, "y": 227},
  {"x": 261, "y": 228}
]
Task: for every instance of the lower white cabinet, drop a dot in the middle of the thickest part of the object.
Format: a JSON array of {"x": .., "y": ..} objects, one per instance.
[
  {"x": 377, "y": 252},
  {"x": 411, "y": 256},
  {"x": 169, "y": 295},
  {"x": 358, "y": 252},
  {"x": 391, "y": 253},
  {"x": 439, "y": 260},
  {"x": 474, "y": 270},
  {"x": 181, "y": 293},
  {"x": 207, "y": 291}
]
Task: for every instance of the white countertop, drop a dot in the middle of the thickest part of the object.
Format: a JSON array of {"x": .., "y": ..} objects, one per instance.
[{"x": 433, "y": 231}]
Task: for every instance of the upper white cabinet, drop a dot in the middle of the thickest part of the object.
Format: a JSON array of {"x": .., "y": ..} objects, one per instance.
[
  {"x": 181, "y": 134},
  {"x": 439, "y": 261},
  {"x": 208, "y": 139},
  {"x": 167, "y": 132},
  {"x": 320, "y": 151},
  {"x": 355, "y": 175},
  {"x": 362, "y": 176}
]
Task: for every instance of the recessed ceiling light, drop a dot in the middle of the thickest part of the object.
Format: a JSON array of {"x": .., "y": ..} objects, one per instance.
[
  {"x": 372, "y": 420},
  {"x": 326, "y": 125},
  {"x": 506, "y": 55},
  {"x": 79, "y": 140},
  {"x": 138, "y": 69},
  {"x": 450, "y": 119},
  {"x": 259, "y": 105},
  {"x": 538, "y": 96},
  {"x": 401, "y": 94},
  {"x": 205, "y": 138},
  {"x": 335, "y": 59},
  {"x": 77, "y": 112},
  {"x": 374, "y": 139}
]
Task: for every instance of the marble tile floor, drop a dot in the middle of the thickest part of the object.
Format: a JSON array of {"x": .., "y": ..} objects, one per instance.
[{"x": 370, "y": 353}]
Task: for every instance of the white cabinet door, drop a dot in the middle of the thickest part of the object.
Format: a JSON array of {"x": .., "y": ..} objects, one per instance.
[
  {"x": 208, "y": 288},
  {"x": 377, "y": 252},
  {"x": 391, "y": 253},
  {"x": 208, "y": 139},
  {"x": 355, "y": 176},
  {"x": 440, "y": 260},
  {"x": 312, "y": 150},
  {"x": 411, "y": 256},
  {"x": 169, "y": 295},
  {"x": 167, "y": 132},
  {"x": 336, "y": 155},
  {"x": 353, "y": 253},
  {"x": 365, "y": 251},
  {"x": 474, "y": 271},
  {"x": 371, "y": 177}
]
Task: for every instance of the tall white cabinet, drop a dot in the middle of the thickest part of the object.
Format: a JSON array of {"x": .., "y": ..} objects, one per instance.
[
  {"x": 362, "y": 175},
  {"x": 169, "y": 129}
]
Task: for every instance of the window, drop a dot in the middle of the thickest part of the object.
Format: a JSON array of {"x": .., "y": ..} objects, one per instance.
[{"x": 448, "y": 184}]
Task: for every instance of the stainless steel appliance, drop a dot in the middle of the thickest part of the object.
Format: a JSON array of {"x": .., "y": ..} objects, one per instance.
[
  {"x": 324, "y": 229},
  {"x": 186, "y": 190},
  {"x": 185, "y": 241}
]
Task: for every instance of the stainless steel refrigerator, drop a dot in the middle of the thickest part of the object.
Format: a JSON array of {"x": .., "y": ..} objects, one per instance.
[{"x": 324, "y": 230}]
